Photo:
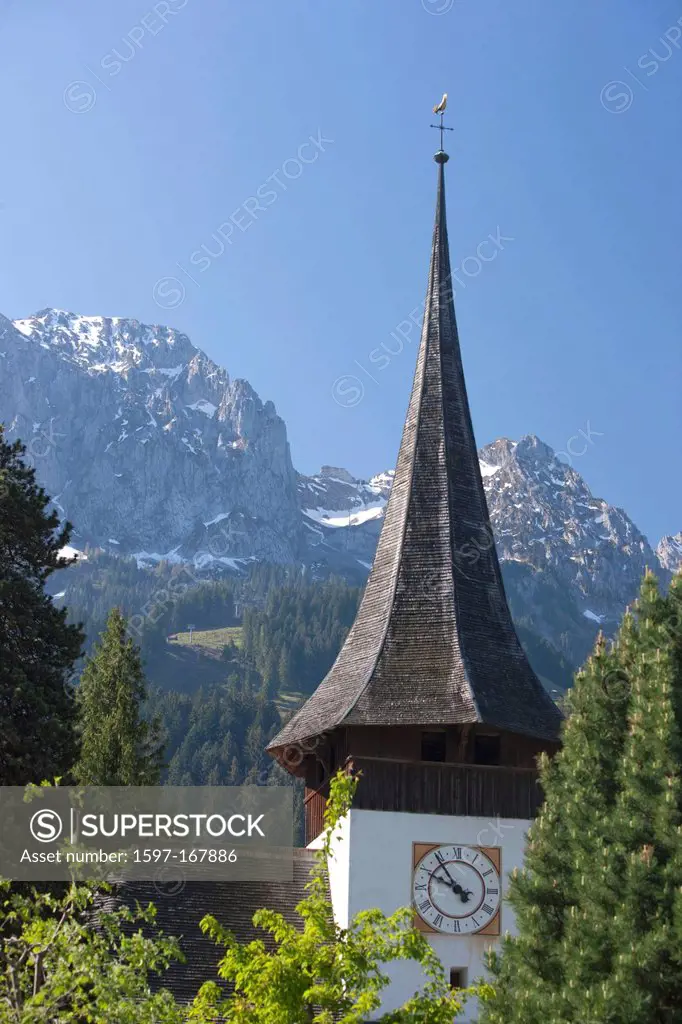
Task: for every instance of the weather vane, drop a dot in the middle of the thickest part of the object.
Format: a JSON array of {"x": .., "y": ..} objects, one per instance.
[{"x": 440, "y": 109}]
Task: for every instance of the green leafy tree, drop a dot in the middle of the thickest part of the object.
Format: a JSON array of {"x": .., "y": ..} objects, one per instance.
[
  {"x": 38, "y": 648},
  {"x": 119, "y": 747},
  {"x": 56, "y": 967},
  {"x": 599, "y": 902},
  {"x": 321, "y": 973}
]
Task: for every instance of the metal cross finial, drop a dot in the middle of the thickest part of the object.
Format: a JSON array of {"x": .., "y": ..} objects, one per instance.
[
  {"x": 440, "y": 109},
  {"x": 442, "y": 128}
]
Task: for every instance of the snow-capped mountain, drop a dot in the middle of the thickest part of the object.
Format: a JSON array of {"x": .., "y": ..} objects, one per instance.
[
  {"x": 350, "y": 501},
  {"x": 571, "y": 561},
  {"x": 544, "y": 515},
  {"x": 669, "y": 552},
  {"x": 147, "y": 446},
  {"x": 332, "y": 501},
  {"x": 152, "y": 450}
]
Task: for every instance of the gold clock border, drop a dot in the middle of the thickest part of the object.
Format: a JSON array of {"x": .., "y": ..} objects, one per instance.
[{"x": 494, "y": 854}]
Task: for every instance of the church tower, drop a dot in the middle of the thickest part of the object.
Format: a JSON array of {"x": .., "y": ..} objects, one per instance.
[{"x": 431, "y": 697}]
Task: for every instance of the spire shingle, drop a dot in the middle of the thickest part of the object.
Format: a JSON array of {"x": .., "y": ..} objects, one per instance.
[{"x": 433, "y": 642}]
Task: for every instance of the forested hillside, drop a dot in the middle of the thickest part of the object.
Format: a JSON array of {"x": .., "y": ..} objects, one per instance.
[
  {"x": 218, "y": 704},
  {"x": 291, "y": 626},
  {"x": 277, "y": 632}
]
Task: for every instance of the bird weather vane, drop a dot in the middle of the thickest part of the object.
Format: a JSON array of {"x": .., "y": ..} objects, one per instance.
[{"x": 440, "y": 109}]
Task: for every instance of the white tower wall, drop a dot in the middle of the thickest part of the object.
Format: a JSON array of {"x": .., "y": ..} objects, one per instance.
[{"x": 371, "y": 866}]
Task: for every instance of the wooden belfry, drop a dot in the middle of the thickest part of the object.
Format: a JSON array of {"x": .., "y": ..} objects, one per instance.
[{"x": 432, "y": 695}]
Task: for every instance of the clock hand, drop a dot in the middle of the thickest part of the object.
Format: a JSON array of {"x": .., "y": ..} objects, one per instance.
[
  {"x": 446, "y": 881},
  {"x": 464, "y": 894},
  {"x": 452, "y": 881}
]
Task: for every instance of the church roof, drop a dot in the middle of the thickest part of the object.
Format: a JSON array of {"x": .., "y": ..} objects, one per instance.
[
  {"x": 181, "y": 907},
  {"x": 433, "y": 642}
]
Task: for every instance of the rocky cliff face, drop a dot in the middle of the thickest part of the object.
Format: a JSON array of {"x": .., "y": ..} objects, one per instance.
[
  {"x": 544, "y": 515},
  {"x": 343, "y": 519},
  {"x": 669, "y": 552},
  {"x": 147, "y": 446},
  {"x": 571, "y": 561},
  {"x": 151, "y": 450}
]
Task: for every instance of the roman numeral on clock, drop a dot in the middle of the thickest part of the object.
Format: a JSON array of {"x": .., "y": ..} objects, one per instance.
[
  {"x": 492, "y": 892},
  {"x": 420, "y": 886},
  {"x": 424, "y": 906},
  {"x": 458, "y": 852},
  {"x": 456, "y": 926},
  {"x": 488, "y": 872},
  {"x": 486, "y": 909},
  {"x": 438, "y": 920}
]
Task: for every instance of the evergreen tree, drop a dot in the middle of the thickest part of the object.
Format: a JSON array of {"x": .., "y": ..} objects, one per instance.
[
  {"x": 38, "y": 648},
  {"x": 599, "y": 905},
  {"x": 283, "y": 668},
  {"x": 233, "y": 778},
  {"x": 118, "y": 746},
  {"x": 633, "y": 894},
  {"x": 577, "y": 785}
]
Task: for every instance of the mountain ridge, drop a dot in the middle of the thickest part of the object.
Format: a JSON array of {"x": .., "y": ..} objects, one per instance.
[
  {"x": 145, "y": 406},
  {"x": 155, "y": 452}
]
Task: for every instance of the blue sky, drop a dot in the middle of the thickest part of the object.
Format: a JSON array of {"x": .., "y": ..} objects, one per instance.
[{"x": 133, "y": 131}]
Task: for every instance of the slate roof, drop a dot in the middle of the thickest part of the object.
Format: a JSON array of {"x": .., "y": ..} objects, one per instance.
[
  {"x": 433, "y": 642},
  {"x": 180, "y": 908}
]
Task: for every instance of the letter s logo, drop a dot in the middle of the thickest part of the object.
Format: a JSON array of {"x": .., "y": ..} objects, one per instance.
[{"x": 46, "y": 826}]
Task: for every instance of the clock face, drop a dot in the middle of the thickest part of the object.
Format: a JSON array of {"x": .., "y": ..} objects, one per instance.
[{"x": 456, "y": 889}]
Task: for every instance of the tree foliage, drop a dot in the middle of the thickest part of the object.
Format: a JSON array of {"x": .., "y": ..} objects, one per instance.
[
  {"x": 293, "y": 638},
  {"x": 38, "y": 648},
  {"x": 69, "y": 957},
  {"x": 56, "y": 966},
  {"x": 599, "y": 902},
  {"x": 119, "y": 747},
  {"x": 293, "y": 625},
  {"x": 322, "y": 973},
  {"x": 217, "y": 736}
]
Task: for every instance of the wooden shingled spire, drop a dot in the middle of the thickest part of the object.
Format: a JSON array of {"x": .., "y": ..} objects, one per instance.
[{"x": 433, "y": 643}]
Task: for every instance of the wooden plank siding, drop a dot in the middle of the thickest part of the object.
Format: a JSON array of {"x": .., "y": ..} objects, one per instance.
[
  {"x": 435, "y": 788},
  {"x": 464, "y": 789},
  {"x": 314, "y": 804}
]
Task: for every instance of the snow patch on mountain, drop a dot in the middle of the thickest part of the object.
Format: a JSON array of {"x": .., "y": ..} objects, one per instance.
[
  {"x": 334, "y": 498},
  {"x": 69, "y": 552},
  {"x": 152, "y": 438},
  {"x": 332, "y": 517},
  {"x": 142, "y": 438},
  {"x": 202, "y": 405},
  {"x": 556, "y": 539},
  {"x": 669, "y": 552}
]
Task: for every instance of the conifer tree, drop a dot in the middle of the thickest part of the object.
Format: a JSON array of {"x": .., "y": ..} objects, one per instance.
[
  {"x": 598, "y": 904},
  {"x": 577, "y": 785},
  {"x": 632, "y": 899},
  {"x": 38, "y": 648},
  {"x": 118, "y": 746},
  {"x": 234, "y": 778}
]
